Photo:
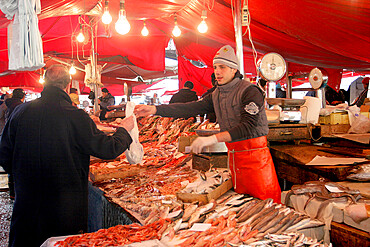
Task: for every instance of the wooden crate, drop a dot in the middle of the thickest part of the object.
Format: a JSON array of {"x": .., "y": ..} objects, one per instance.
[
  {"x": 203, "y": 162},
  {"x": 97, "y": 176},
  {"x": 205, "y": 198}
]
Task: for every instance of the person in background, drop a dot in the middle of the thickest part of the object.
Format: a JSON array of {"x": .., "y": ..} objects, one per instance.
[
  {"x": 92, "y": 97},
  {"x": 211, "y": 116},
  {"x": 240, "y": 111},
  {"x": 17, "y": 98},
  {"x": 361, "y": 98},
  {"x": 155, "y": 100},
  {"x": 185, "y": 94},
  {"x": 46, "y": 145},
  {"x": 74, "y": 97},
  {"x": 106, "y": 100},
  {"x": 280, "y": 93},
  {"x": 2, "y": 98},
  {"x": 3, "y": 110},
  {"x": 333, "y": 97}
]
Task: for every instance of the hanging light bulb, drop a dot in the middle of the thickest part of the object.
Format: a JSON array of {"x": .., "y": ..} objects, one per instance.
[
  {"x": 80, "y": 37},
  {"x": 145, "y": 31},
  {"x": 122, "y": 24},
  {"x": 41, "y": 80},
  {"x": 176, "y": 30},
  {"x": 72, "y": 70},
  {"x": 202, "y": 27},
  {"x": 106, "y": 18}
]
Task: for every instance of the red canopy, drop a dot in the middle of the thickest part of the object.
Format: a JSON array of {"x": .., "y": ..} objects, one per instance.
[{"x": 332, "y": 34}]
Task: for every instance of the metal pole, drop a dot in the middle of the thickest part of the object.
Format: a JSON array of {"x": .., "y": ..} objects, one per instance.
[
  {"x": 289, "y": 91},
  {"x": 93, "y": 66},
  {"x": 238, "y": 34}
]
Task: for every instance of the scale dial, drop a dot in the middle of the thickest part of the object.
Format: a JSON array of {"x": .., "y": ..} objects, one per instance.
[
  {"x": 272, "y": 66},
  {"x": 316, "y": 78}
]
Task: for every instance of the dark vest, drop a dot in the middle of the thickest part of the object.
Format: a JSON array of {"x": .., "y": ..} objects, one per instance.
[{"x": 227, "y": 101}]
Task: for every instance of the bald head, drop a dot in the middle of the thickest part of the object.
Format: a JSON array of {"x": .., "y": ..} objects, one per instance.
[{"x": 57, "y": 75}]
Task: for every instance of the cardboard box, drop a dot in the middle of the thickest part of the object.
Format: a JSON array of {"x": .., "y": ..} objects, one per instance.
[
  {"x": 205, "y": 198},
  {"x": 185, "y": 141},
  {"x": 335, "y": 118},
  {"x": 100, "y": 175}
]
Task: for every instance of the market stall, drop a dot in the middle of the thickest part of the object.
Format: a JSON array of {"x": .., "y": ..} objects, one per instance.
[{"x": 150, "y": 195}]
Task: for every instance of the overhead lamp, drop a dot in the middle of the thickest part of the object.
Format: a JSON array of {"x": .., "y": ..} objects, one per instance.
[
  {"x": 145, "y": 31},
  {"x": 176, "y": 30},
  {"x": 80, "y": 37},
  {"x": 202, "y": 27},
  {"x": 106, "y": 17},
  {"x": 122, "y": 24},
  {"x": 72, "y": 70},
  {"x": 41, "y": 80}
]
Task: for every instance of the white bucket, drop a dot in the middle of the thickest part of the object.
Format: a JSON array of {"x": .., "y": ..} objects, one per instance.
[{"x": 310, "y": 110}]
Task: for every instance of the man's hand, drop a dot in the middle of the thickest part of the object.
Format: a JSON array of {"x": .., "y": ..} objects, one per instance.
[
  {"x": 201, "y": 142},
  {"x": 144, "y": 110},
  {"x": 127, "y": 123}
]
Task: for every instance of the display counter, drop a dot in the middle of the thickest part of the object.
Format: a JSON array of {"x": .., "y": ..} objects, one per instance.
[
  {"x": 103, "y": 213},
  {"x": 290, "y": 163}
]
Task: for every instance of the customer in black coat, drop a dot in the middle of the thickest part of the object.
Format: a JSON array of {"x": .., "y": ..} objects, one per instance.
[
  {"x": 47, "y": 144},
  {"x": 17, "y": 98},
  {"x": 185, "y": 94}
]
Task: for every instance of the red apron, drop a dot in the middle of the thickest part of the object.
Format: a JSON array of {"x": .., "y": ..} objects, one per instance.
[{"x": 252, "y": 169}]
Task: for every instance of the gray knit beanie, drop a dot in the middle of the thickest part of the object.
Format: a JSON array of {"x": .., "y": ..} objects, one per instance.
[{"x": 226, "y": 55}]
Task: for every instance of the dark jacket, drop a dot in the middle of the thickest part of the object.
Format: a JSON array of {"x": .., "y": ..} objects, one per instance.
[
  {"x": 11, "y": 103},
  {"x": 107, "y": 101},
  {"x": 184, "y": 95},
  {"x": 47, "y": 144}
]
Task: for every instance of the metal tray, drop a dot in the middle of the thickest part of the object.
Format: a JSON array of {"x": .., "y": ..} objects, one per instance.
[{"x": 285, "y": 102}]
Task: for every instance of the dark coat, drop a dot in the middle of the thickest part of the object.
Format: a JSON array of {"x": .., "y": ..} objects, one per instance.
[
  {"x": 184, "y": 95},
  {"x": 47, "y": 144}
]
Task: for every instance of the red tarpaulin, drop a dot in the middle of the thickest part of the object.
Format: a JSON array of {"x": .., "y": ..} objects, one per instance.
[{"x": 332, "y": 34}]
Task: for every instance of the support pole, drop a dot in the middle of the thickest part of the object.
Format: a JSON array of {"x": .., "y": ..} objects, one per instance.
[
  {"x": 94, "y": 65},
  {"x": 239, "y": 34}
]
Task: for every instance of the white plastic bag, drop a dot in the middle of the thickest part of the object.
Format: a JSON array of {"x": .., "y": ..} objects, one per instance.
[
  {"x": 360, "y": 125},
  {"x": 135, "y": 154}
]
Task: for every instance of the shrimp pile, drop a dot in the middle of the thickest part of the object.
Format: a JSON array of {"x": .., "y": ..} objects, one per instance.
[{"x": 117, "y": 235}]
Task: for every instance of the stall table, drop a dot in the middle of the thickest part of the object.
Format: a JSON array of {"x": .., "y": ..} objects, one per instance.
[
  {"x": 105, "y": 214},
  {"x": 290, "y": 163}
]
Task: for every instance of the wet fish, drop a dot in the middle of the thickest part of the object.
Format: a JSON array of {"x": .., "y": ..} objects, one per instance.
[
  {"x": 201, "y": 210},
  {"x": 360, "y": 173},
  {"x": 289, "y": 223},
  {"x": 189, "y": 211},
  {"x": 257, "y": 207},
  {"x": 273, "y": 222},
  {"x": 246, "y": 207},
  {"x": 265, "y": 219}
]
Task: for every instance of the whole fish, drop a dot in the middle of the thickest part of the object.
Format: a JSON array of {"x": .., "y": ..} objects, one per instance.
[
  {"x": 189, "y": 211},
  {"x": 195, "y": 217},
  {"x": 256, "y": 208},
  {"x": 273, "y": 222},
  {"x": 360, "y": 173}
]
